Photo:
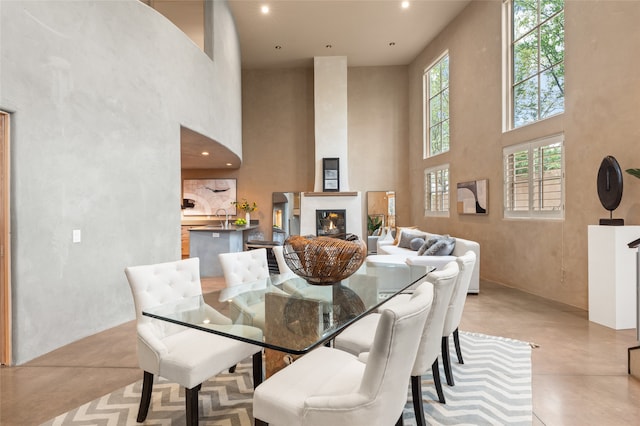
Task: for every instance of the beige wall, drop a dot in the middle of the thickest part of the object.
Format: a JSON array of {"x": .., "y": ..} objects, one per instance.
[
  {"x": 378, "y": 132},
  {"x": 548, "y": 258},
  {"x": 278, "y": 135}
]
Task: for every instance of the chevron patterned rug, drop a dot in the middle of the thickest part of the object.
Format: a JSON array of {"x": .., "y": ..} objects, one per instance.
[{"x": 493, "y": 387}]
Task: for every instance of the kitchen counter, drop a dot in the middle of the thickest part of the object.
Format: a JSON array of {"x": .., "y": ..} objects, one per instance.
[
  {"x": 218, "y": 228},
  {"x": 203, "y": 221},
  {"x": 206, "y": 242}
]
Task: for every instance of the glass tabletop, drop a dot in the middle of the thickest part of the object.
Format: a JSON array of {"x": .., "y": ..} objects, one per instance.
[{"x": 287, "y": 314}]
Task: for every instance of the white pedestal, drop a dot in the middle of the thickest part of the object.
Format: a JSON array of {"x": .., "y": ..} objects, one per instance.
[{"x": 612, "y": 276}]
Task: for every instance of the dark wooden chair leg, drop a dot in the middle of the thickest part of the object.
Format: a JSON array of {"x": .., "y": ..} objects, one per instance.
[
  {"x": 416, "y": 395},
  {"x": 436, "y": 380},
  {"x": 145, "y": 398},
  {"x": 257, "y": 369},
  {"x": 456, "y": 342},
  {"x": 446, "y": 360},
  {"x": 258, "y": 422},
  {"x": 400, "y": 422},
  {"x": 191, "y": 405}
]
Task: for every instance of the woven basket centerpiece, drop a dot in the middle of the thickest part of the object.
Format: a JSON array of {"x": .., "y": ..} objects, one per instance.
[{"x": 323, "y": 260}]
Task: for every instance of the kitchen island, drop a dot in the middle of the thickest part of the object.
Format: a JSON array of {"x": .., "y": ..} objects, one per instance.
[{"x": 206, "y": 242}]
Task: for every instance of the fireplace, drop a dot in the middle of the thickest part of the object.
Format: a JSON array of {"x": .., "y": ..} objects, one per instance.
[
  {"x": 348, "y": 204},
  {"x": 331, "y": 223}
]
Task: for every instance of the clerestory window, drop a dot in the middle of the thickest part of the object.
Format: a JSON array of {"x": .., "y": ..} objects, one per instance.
[
  {"x": 435, "y": 82},
  {"x": 535, "y": 36}
]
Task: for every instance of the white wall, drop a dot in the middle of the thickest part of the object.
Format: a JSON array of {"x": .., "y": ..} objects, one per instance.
[{"x": 98, "y": 91}]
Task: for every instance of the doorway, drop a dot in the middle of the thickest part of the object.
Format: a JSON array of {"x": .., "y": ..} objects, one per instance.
[{"x": 5, "y": 235}]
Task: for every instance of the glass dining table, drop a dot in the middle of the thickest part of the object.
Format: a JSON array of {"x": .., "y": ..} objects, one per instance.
[{"x": 285, "y": 314}]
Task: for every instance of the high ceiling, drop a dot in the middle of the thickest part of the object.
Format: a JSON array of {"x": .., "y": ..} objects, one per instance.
[{"x": 367, "y": 32}]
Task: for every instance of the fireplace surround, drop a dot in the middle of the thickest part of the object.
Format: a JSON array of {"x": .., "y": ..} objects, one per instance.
[{"x": 350, "y": 202}]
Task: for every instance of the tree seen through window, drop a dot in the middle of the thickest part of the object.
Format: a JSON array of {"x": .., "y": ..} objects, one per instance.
[{"x": 537, "y": 51}]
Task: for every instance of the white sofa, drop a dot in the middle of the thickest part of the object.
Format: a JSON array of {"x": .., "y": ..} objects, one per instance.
[{"x": 386, "y": 247}]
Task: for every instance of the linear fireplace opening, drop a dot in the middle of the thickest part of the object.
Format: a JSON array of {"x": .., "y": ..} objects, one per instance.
[{"x": 331, "y": 223}]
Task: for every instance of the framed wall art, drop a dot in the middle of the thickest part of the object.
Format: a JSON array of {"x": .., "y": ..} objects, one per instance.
[
  {"x": 473, "y": 197},
  {"x": 207, "y": 196},
  {"x": 331, "y": 174}
]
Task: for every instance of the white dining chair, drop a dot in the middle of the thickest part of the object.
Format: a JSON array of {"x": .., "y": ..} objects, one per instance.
[
  {"x": 331, "y": 387},
  {"x": 466, "y": 263},
  {"x": 244, "y": 266},
  {"x": 357, "y": 338},
  {"x": 241, "y": 268},
  {"x": 183, "y": 355},
  {"x": 285, "y": 271}
]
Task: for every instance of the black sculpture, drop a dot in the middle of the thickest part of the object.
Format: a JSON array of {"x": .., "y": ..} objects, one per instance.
[{"x": 610, "y": 188}]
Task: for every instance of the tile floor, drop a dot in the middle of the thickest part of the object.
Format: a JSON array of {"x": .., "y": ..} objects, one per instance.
[{"x": 579, "y": 369}]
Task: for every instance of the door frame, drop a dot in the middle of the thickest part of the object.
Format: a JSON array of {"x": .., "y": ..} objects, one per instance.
[{"x": 5, "y": 242}]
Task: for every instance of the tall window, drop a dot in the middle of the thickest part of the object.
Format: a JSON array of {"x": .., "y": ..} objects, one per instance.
[
  {"x": 436, "y": 191},
  {"x": 534, "y": 179},
  {"x": 536, "y": 58},
  {"x": 436, "y": 107}
]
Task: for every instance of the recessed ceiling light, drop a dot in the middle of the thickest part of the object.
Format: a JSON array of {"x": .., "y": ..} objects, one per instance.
[
  {"x": 405, "y": 4},
  {"x": 264, "y": 9},
  {"x": 229, "y": 164},
  {"x": 205, "y": 153}
]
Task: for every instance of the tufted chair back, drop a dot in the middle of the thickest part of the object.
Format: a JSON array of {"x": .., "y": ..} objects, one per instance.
[
  {"x": 153, "y": 285},
  {"x": 466, "y": 263},
  {"x": 394, "y": 348},
  {"x": 443, "y": 282},
  {"x": 382, "y": 392},
  {"x": 241, "y": 268},
  {"x": 244, "y": 266}
]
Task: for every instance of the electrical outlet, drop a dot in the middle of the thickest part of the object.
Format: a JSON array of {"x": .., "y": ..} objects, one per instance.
[{"x": 77, "y": 236}]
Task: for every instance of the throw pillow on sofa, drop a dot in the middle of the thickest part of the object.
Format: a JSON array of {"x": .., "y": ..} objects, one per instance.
[
  {"x": 407, "y": 235},
  {"x": 428, "y": 243},
  {"x": 399, "y": 230},
  {"x": 443, "y": 247},
  {"x": 416, "y": 243}
]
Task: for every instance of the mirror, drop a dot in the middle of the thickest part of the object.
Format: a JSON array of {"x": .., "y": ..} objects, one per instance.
[
  {"x": 286, "y": 215},
  {"x": 381, "y": 210}
]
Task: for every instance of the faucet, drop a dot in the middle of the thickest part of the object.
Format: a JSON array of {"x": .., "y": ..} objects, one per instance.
[{"x": 226, "y": 217}]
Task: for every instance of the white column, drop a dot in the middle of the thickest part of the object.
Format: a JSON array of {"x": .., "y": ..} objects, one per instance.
[
  {"x": 330, "y": 102},
  {"x": 612, "y": 276}
]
